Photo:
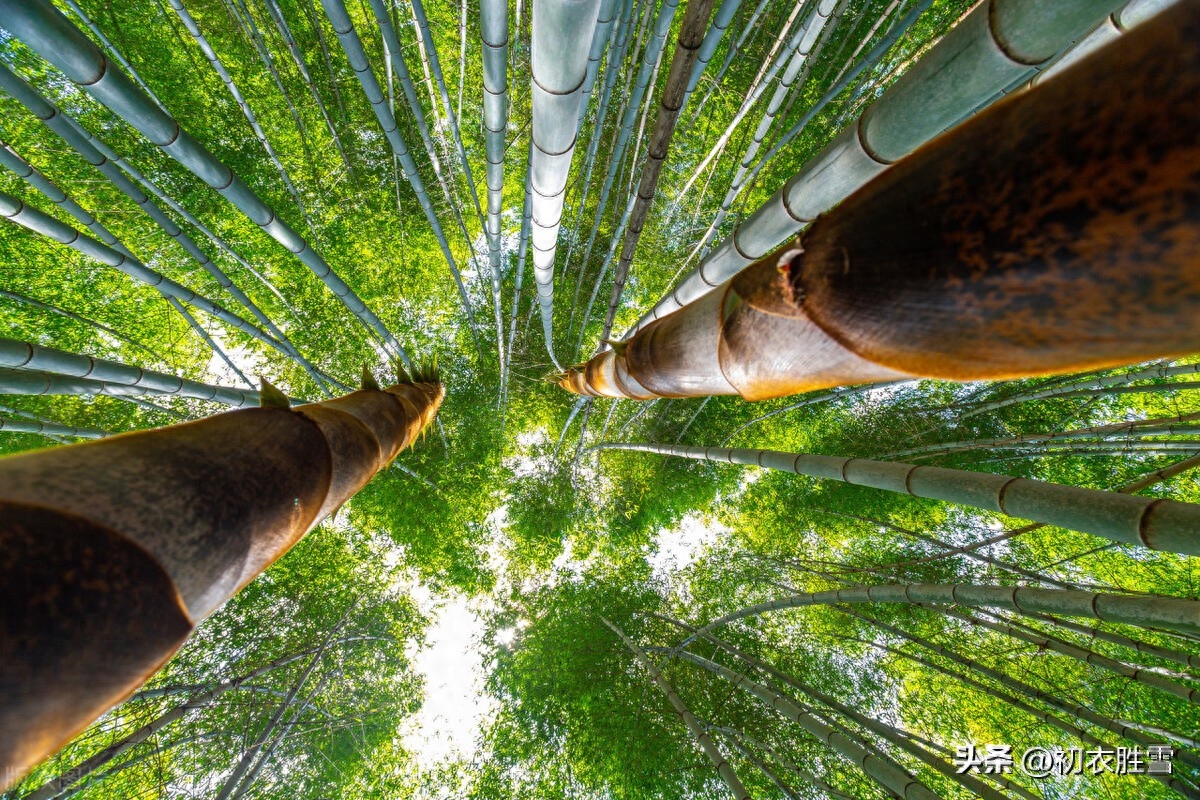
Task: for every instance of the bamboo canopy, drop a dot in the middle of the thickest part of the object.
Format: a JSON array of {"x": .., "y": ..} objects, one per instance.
[
  {"x": 115, "y": 550},
  {"x": 1053, "y": 232},
  {"x": 998, "y": 45}
]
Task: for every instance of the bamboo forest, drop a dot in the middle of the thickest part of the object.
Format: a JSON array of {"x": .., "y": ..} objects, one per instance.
[{"x": 488, "y": 399}]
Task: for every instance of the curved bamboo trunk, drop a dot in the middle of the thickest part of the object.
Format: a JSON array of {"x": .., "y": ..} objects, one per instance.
[
  {"x": 706, "y": 743},
  {"x": 52, "y": 36},
  {"x": 916, "y": 275},
  {"x": 987, "y": 51},
  {"x": 1044, "y": 641},
  {"x": 562, "y": 36},
  {"x": 1074, "y": 709},
  {"x": 1143, "y": 648},
  {"x": 116, "y": 549},
  {"x": 1159, "y": 524},
  {"x": 691, "y": 37}
]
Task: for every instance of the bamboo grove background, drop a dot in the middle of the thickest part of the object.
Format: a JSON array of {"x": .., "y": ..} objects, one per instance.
[{"x": 298, "y": 685}]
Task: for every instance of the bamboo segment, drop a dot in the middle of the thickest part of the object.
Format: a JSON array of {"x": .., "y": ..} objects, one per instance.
[
  {"x": 1055, "y": 232},
  {"x": 969, "y": 67},
  {"x": 493, "y": 21},
  {"x": 339, "y": 18},
  {"x": 1157, "y": 523},
  {"x": 706, "y": 743},
  {"x": 881, "y": 769},
  {"x": 112, "y": 551},
  {"x": 35, "y": 361},
  {"x": 55, "y": 38},
  {"x": 562, "y": 36},
  {"x": 646, "y": 71},
  {"x": 691, "y": 37},
  {"x": 32, "y": 219}
]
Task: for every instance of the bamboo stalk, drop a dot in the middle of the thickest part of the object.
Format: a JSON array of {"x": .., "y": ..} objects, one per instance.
[
  {"x": 38, "y": 361},
  {"x": 691, "y": 37},
  {"x": 706, "y": 743},
  {"x": 39, "y": 222},
  {"x": 51, "y": 35},
  {"x": 339, "y": 18},
  {"x": 878, "y": 767},
  {"x": 897, "y": 281},
  {"x": 562, "y": 36},
  {"x": 116, "y": 549},
  {"x": 493, "y": 21},
  {"x": 1157, "y": 523},
  {"x": 989, "y": 49},
  {"x": 887, "y": 732}
]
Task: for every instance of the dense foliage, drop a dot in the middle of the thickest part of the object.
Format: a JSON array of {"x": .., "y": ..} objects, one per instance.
[{"x": 502, "y": 503}]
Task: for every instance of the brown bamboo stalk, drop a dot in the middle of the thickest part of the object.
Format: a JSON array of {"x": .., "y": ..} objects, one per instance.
[
  {"x": 112, "y": 551},
  {"x": 1054, "y": 232}
]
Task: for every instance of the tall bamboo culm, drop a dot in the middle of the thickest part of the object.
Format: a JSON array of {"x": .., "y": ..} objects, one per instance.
[
  {"x": 899, "y": 280},
  {"x": 993, "y": 47},
  {"x": 115, "y": 550}
]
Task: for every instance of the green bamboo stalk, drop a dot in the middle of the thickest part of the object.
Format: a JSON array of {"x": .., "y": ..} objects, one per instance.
[
  {"x": 888, "y": 733},
  {"x": 748, "y": 754},
  {"x": 36, "y": 424},
  {"x": 736, "y": 789},
  {"x": 782, "y": 760},
  {"x": 1143, "y": 648},
  {"x": 435, "y": 66},
  {"x": 877, "y": 766},
  {"x": 691, "y": 36},
  {"x": 59, "y": 785},
  {"x": 192, "y": 28},
  {"x": 96, "y": 153},
  {"x": 37, "y": 361},
  {"x": 289, "y": 41},
  {"x": 339, "y": 18},
  {"x": 1045, "y": 641},
  {"x": 52, "y": 36},
  {"x": 1159, "y": 524},
  {"x": 1158, "y": 426},
  {"x": 91, "y": 323},
  {"x": 31, "y": 218},
  {"x": 1074, "y": 709}
]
